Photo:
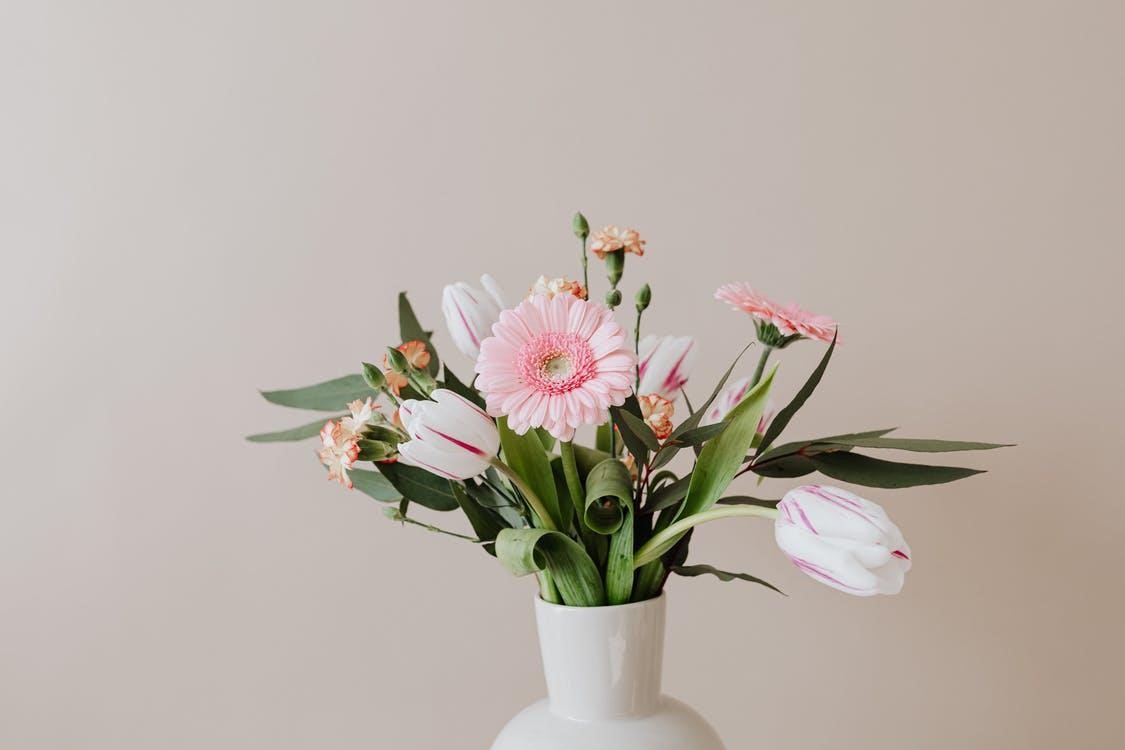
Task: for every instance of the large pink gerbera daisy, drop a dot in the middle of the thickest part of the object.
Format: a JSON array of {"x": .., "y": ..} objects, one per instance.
[{"x": 557, "y": 363}]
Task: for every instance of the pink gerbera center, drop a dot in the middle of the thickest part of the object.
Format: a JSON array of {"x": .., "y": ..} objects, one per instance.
[{"x": 556, "y": 362}]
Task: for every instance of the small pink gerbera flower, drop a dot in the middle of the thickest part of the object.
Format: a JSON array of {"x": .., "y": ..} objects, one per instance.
[
  {"x": 557, "y": 363},
  {"x": 612, "y": 238},
  {"x": 338, "y": 452},
  {"x": 789, "y": 319}
]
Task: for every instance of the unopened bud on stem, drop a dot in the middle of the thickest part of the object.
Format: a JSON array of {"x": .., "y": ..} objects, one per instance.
[{"x": 643, "y": 298}]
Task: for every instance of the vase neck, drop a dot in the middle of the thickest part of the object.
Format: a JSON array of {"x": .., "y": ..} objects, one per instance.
[{"x": 602, "y": 662}]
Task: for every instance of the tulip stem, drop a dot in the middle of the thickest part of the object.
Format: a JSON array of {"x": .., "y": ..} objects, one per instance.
[
  {"x": 533, "y": 500},
  {"x": 665, "y": 539},
  {"x": 761, "y": 368}
]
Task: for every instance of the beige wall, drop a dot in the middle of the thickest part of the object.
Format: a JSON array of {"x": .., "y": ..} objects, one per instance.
[{"x": 202, "y": 198}]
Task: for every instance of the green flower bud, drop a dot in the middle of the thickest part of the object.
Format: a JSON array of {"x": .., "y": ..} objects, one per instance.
[
  {"x": 612, "y": 298},
  {"x": 397, "y": 361},
  {"x": 373, "y": 376},
  {"x": 615, "y": 266},
  {"x": 643, "y": 298},
  {"x": 375, "y": 450},
  {"x": 581, "y": 226}
]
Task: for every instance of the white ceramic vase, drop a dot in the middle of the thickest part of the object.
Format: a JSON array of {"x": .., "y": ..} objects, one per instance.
[{"x": 603, "y": 668}]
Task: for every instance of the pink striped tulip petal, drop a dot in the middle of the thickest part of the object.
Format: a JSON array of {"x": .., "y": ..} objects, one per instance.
[
  {"x": 470, "y": 313},
  {"x": 842, "y": 540},
  {"x": 665, "y": 364},
  {"x": 449, "y": 436}
]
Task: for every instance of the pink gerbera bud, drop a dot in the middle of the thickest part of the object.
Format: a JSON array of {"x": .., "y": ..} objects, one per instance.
[
  {"x": 612, "y": 238},
  {"x": 657, "y": 412},
  {"x": 555, "y": 363},
  {"x": 338, "y": 452}
]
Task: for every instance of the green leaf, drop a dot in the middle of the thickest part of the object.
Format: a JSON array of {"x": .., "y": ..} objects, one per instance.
[
  {"x": 374, "y": 485},
  {"x": 485, "y": 523},
  {"x": 419, "y": 486},
  {"x": 411, "y": 330},
  {"x": 601, "y": 438},
  {"x": 794, "y": 447},
  {"x": 453, "y": 383},
  {"x": 874, "y": 472},
  {"x": 784, "y": 467},
  {"x": 526, "y": 551},
  {"x": 781, "y": 421},
  {"x": 587, "y": 459},
  {"x": 634, "y": 431},
  {"x": 668, "y": 495},
  {"x": 619, "y": 561},
  {"x": 546, "y": 438},
  {"x": 693, "y": 421},
  {"x": 609, "y": 495},
  {"x": 331, "y": 395},
  {"x": 921, "y": 445},
  {"x": 526, "y": 456},
  {"x": 692, "y": 571},
  {"x": 722, "y": 457},
  {"x": 701, "y": 435},
  {"x": 305, "y": 431},
  {"x": 746, "y": 500}
]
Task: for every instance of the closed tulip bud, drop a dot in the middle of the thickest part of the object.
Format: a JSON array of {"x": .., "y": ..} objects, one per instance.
[
  {"x": 470, "y": 313},
  {"x": 397, "y": 360},
  {"x": 643, "y": 298},
  {"x": 449, "y": 436},
  {"x": 581, "y": 226},
  {"x": 665, "y": 364},
  {"x": 373, "y": 376},
  {"x": 612, "y": 298},
  {"x": 842, "y": 540}
]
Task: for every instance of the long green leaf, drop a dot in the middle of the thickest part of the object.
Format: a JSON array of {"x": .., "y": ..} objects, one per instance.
[
  {"x": 411, "y": 330},
  {"x": 921, "y": 445},
  {"x": 526, "y": 551},
  {"x": 305, "y": 431},
  {"x": 609, "y": 495},
  {"x": 619, "y": 561},
  {"x": 692, "y": 571},
  {"x": 526, "y": 456},
  {"x": 722, "y": 457},
  {"x": 784, "y": 467},
  {"x": 697, "y": 415},
  {"x": 746, "y": 500},
  {"x": 796, "y": 446},
  {"x": 419, "y": 486},
  {"x": 331, "y": 395},
  {"x": 668, "y": 495},
  {"x": 374, "y": 485},
  {"x": 874, "y": 472},
  {"x": 634, "y": 431},
  {"x": 781, "y": 421}
]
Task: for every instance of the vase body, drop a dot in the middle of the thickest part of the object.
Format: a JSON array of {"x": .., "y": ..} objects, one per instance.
[{"x": 603, "y": 669}]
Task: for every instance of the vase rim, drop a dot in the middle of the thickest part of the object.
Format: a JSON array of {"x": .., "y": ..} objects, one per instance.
[{"x": 541, "y": 602}]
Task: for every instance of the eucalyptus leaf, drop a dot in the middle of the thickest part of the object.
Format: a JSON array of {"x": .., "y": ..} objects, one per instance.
[
  {"x": 692, "y": 571},
  {"x": 411, "y": 330},
  {"x": 668, "y": 495},
  {"x": 921, "y": 445},
  {"x": 419, "y": 486},
  {"x": 634, "y": 431},
  {"x": 374, "y": 485},
  {"x": 796, "y": 446},
  {"x": 874, "y": 472},
  {"x": 526, "y": 551},
  {"x": 331, "y": 395},
  {"x": 781, "y": 421},
  {"x": 305, "y": 431},
  {"x": 526, "y": 456},
  {"x": 697, "y": 415}
]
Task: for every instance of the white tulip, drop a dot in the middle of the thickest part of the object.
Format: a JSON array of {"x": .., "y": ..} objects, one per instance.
[
  {"x": 665, "y": 365},
  {"x": 842, "y": 540},
  {"x": 449, "y": 436},
  {"x": 470, "y": 312}
]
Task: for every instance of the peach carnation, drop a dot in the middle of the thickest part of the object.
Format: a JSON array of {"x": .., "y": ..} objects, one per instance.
[
  {"x": 339, "y": 451},
  {"x": 553, "y": 287},
  {"x": 418, "y": 357},
  {"x": 557, "y": 363},
  {"x": 657, "y": 412},
  {"x": 611, "y": 239},
  {"x": 363, "y": 413}
]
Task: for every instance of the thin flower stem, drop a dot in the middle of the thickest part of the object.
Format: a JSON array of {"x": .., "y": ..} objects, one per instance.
[
  {"x": 761, "y": 368},
  {"x": 637, "y": 350},
  {"x": 540, "y": 511},
  {"x": 438, "y": 530},
  {"x": 663, "y": 540},
  {"x": 585, "y": 268}
]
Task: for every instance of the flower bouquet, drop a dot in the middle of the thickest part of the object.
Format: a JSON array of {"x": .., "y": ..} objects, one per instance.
[{"x": 606, "y": 521}]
